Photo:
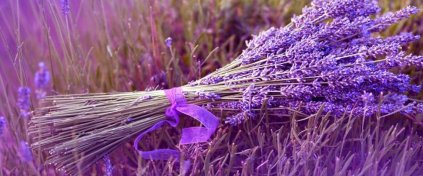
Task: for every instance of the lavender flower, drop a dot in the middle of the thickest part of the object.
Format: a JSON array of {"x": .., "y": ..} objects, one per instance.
[
  {"x": 185, "y": 167},
  {"x": 41, "y": 80},
  {"x": 24, "y": 102},
  {"x": 349, "y": 8},
  {"x": 368, "y": 98},
  {"x": 65, "y": 7},
  {"x": 2, "y": 124},
  {"x": 208, "y": 95},
  {"x": 235, "y": 119},
  {"x": 25, "y": 151},
  {"x": 313, "y": 62},
  {"x": 168, "y": 42},
  {"x": 108, "y": 165},
  {"x": 393, "y": 17},
  {"x": 419, "y": 108}
]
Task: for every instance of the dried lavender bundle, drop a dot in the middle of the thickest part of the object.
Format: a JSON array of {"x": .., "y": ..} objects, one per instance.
[{"x": 330, "y": 55}]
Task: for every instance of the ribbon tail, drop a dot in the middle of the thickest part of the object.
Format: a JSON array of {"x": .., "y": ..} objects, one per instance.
[
  {"x": 194, "y": 135},
  {"x": 198, "y": 134},
  {"x": 189, "y": 135},
  {"x": 160, "y": 154}
]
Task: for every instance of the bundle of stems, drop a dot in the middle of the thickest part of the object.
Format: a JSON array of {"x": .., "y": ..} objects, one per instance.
[
  {"x": 80, "y": 129},
  {"x": 330, "y": 55}
]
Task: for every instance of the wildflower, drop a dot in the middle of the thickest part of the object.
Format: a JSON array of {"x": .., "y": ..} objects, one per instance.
[
  {"x": 2, "y": 124},
  {"x": 159, "y": 78},
  {"x": 235, "y": 119},
  {"x": 108, "y": 165},
  {"x": 65, "y": 7},
  {"x": 24, "y": 102},
  {"x": 185, "y": 167},
  {"x": 168, "y": 42},
  {"x": 393, "y": 17},
  {"x": 25, "y": 151},
  {"x": 41, "y": 80},
  {"x": 207, "y": 95}
]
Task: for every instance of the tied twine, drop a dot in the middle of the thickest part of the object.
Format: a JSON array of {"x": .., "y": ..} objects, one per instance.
[{"x": 189, "y": 135}]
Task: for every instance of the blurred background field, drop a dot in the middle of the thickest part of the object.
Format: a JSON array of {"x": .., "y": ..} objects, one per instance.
[{"x": 107, "y": 46}]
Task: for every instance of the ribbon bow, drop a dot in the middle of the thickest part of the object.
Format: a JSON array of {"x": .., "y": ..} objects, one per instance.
[{"x": 189, "y": 135}]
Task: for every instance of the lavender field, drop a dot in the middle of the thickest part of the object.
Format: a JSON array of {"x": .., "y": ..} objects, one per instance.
[{"x": 272, "y": 87}]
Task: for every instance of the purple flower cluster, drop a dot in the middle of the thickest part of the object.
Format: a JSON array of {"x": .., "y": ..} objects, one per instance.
[
  {"x": 168, "y": 42},
  {"x": 41, "y": 80},
  {"x": 2, "y": 124},
  {"x": 331, "y": 55},
  {"x": 24, "y": 101},
  {"x": 208, "y": 95},
  {"x": 108, "y": 165},
  {"x": 65, "y": 7},
  {"x": 25, "y": 152}
]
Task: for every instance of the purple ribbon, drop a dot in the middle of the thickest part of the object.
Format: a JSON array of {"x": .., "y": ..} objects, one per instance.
[{"x": 189, "y": 135}]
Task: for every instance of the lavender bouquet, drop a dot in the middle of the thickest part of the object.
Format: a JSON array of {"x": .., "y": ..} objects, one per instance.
[{"x": 331, "y": 59}]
